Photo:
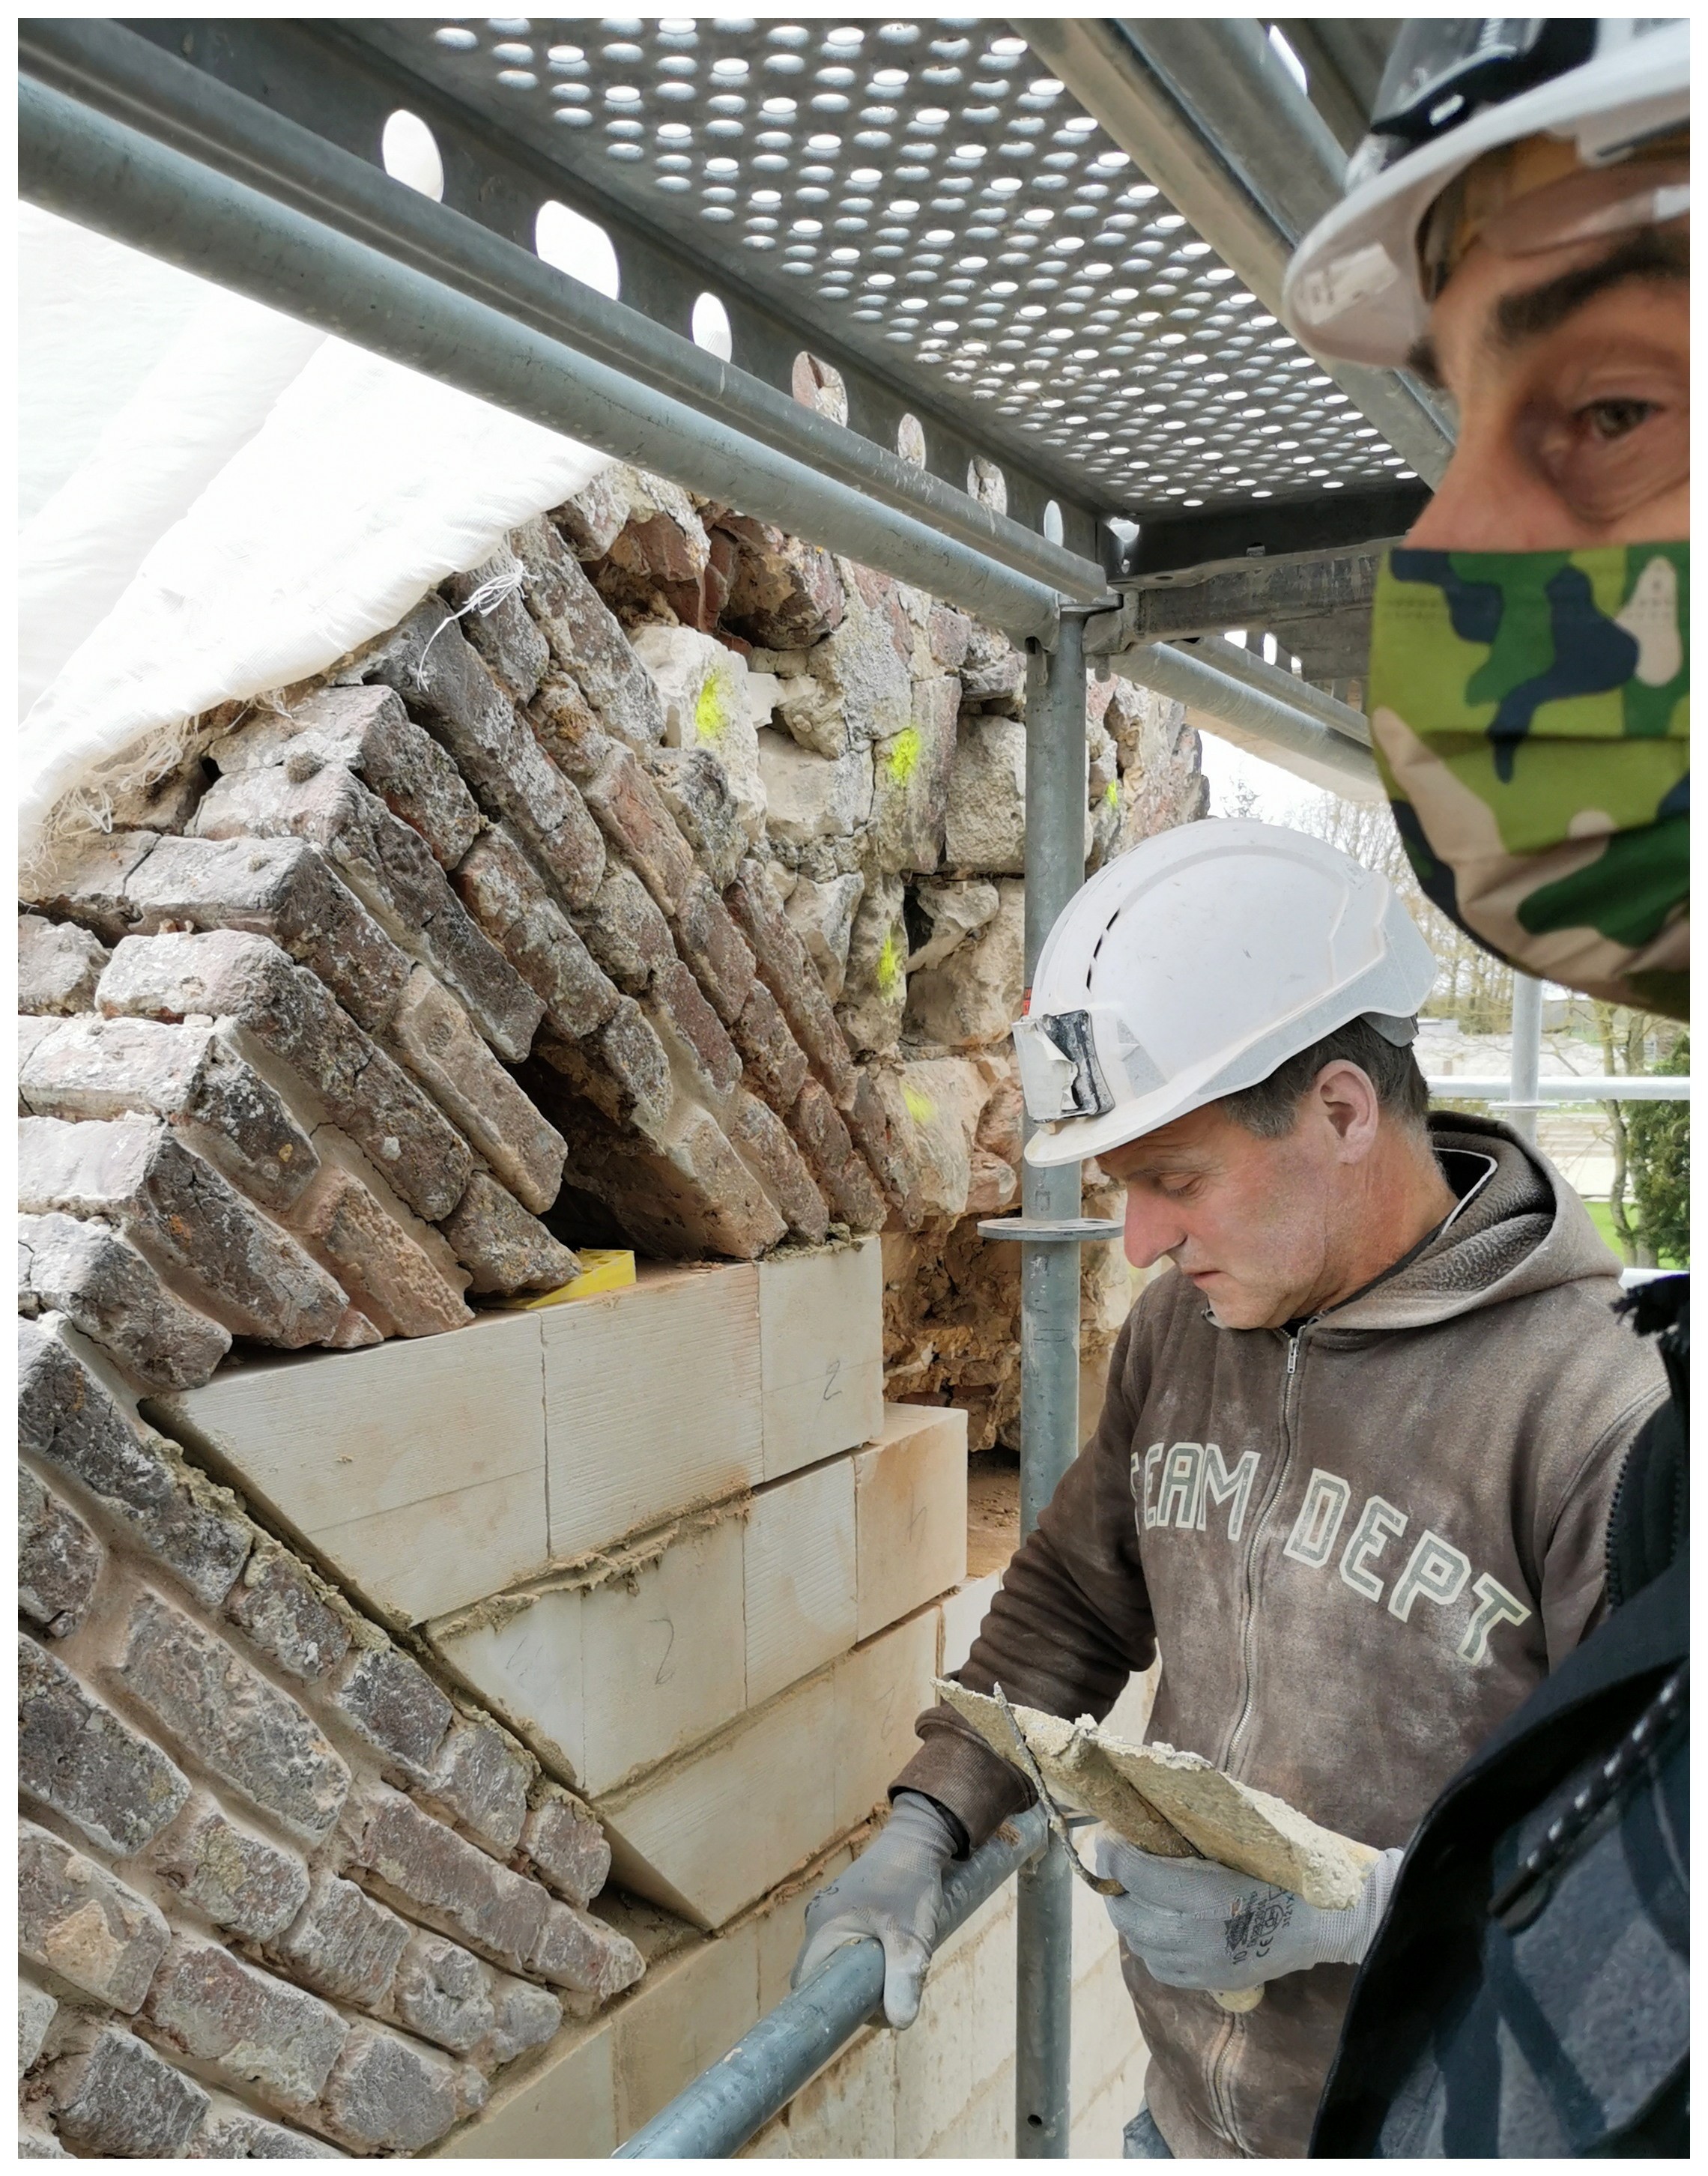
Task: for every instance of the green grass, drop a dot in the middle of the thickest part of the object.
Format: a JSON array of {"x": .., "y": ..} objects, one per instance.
[{"x": 1601, "y": 1216}]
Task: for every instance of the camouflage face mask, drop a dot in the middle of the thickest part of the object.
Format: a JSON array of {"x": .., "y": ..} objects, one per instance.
[{"x": 1531, "y": 713}]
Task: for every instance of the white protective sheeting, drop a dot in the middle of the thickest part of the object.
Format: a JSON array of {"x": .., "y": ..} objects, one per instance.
[{"x": 218, "y": 501}]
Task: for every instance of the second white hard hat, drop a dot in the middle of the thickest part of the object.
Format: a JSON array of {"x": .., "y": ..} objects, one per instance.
[{"x": 1196, "y": 964}]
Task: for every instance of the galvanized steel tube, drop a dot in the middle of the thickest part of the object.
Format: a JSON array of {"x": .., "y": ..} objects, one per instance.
[
  {"x": 1055, "y": 866},
  {"x": 1526, "y": 1053},
  {"x": 1203, "y": 686},
  {"x": 713, "y": 2118},
  {"x": 90, "y": 168},
  {"x": 105, "y": 66},
  {"x": 1253, "y": 671}
]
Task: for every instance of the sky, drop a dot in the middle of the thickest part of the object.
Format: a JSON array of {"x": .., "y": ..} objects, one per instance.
[{"x": 1282, "y": 797}]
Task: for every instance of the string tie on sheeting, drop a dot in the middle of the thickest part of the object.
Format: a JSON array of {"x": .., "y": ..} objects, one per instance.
[{"x": 485, "y": 601}]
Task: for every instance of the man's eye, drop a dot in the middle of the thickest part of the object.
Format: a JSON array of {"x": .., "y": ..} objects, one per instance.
[{"x": 1607, "y": 420}]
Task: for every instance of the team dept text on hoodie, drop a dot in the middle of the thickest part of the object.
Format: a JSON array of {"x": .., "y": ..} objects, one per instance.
[{"x": 1357, "y": 1545}]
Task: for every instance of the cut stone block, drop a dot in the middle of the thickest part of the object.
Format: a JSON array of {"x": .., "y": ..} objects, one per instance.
[
  {"x": 910, "y": 1512},
  {"x": 430, "y": 1032},
  {"x": 396, "y": 1706},
  {"x": 985, "y": 822},
  {"x": 499, "y": 886},
  {"x": 874, "y": 993},
  {"x": 427, "y": 660},
  {"x": 880, "y": 1688},
  {"x": 235, "y": 1722},
  {"x": 75, "y": 1756},
  {"x": 677, "y": 1006},
  {"x": 810, "y": 796},
  {"x": 59, "y": 1559},
  {"x": 231, "y": 2132},
  {"x": 243, "y": 1883},
  {"x": 481, "y": 1783},
  {"x": 785, "y": 594},
  {"x": 624, "y": 930},
  {"x": 703, "y": 685},
  {"x": 860, "y": 667},
  {"x": 679, "y": 1191},
  {"x": 115, "y": 2097},
  {"x": 88, "y": 883},
  {"x": 391, "y": 870},
  {"x": 75, "y": 1920},
  {"x": 635, "y": 818},
  {"x": 95, "y": 1068},
  {"x": 248, "y": 979},
  {"x": 503, "y": 1249},
  {"x": 417, "y": 1472},
  {"x": 821, "y": 1353},
  {"x": 799, "y": 1577},
  {"x": 444, "y": 1993},
  {"x": 277, "y": 887},
  {"x": 68, "y": 1419},
  {"x": 93, "y": 1277},
  {"x": 762, "y": 1141},
  {"x": 696, "y": 789},
  {"x": 708, "y": 940},
  {"x": 789, "y": 975},
  {"x": 775, "y": 1063},
  {"x": 58, "y": 965},
  {"x": 209, "y": 2004},
  {"x": 823, "y": 915},
  {"x": 138, "y": 1174},
  {"x": 975, "y": 999},
  {"x": 631, "y": 1443}
]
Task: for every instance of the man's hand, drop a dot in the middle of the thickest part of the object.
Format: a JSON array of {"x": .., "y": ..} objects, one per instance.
[
  {"x": 1192, "y": 1924},
  {"x": 893, "y": 1892}
]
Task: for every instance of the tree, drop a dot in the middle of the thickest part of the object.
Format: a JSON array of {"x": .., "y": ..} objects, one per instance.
[{"x": 1658, "y": 1138}]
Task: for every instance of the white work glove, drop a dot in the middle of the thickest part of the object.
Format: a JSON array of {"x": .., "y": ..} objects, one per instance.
[
  {"x": 893, "y": 1890},
  {"x": 1192, "y": 1924}
]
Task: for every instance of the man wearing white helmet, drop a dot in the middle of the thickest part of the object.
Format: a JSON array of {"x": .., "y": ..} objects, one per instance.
[
  {"x": 1354, "y": 1462},
  {"x": 1515, "y": 227}
]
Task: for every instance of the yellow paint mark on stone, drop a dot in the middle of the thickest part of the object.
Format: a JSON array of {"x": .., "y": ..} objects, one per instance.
[
  {"x": 904, "y": 754},
  {"x": 1111, "y": 794},
  {"x": 710, "y": 713},
  {"x": 890, "y": 967},
  {"x": 920, "y": 1108}
]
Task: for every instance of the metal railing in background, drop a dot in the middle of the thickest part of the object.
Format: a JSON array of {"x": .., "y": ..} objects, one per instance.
[{"x": 716, "y": 2115}]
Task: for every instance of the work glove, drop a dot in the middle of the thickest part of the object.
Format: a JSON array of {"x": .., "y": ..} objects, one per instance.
[
  {"x": 1192, "y": 1924},
  {"x": 893, "y": 1890}
]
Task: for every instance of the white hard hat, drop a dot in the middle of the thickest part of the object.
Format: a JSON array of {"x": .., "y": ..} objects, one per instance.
[
  {"x": 1196, "y": 964},
  {"x": 1453, "y": 90}
]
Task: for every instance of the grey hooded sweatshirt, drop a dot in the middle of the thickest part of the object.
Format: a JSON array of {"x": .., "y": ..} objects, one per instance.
[{"x": 1358, "y": 1547}]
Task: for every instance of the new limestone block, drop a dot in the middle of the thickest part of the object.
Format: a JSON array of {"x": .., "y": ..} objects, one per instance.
[
  {"x": 94, "y": 1068},
  {"x": 798, "y": 1575},
  {"x": 137, "y": 1173},
  {"x": 76, "y": 1756},
  {"x": 76, "y": 1921},
  {"x": 910, "y": 1512},
  {"x": 417, "y": 1472},
  {"x": 821, "y": 1354},
  {"x": 230, "y": 973},
  {"x": 58, "y": 965},
  {"x": 59, "y": 1559},
  {"x": 93, "y": 1277}
]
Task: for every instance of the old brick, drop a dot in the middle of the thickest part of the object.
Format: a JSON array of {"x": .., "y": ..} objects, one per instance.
[
  {"x": 785, "y": 594},
  {"x": 59, "y": 1559},
  {"x": 97, "y": 1068},
  {"x": 277, "y": 887},
  {"x": 388, "y": 2095},
  {"x": 991, "y": 665},
  {"x": 791, "y": 979},
  {"x": 230, "y": 973},
  {"x": 67, "y": 1419},
  {"x": 392, "y": 1280},
  {"x": 231, "y": 2132},
  {"x": 243, "y": 1883},
  {"x": 503, "y": 1247},
  {"x": 853, "y": 1193},
  {"x": 498, "y": 885},
  {"x": 591, "y": 521},
  {"x": 624, "y": 930},
  {"x": 874, "y": 994},
  {"x": 565, "y": 1844},
  {"x": 342, "y": 1943},
  {"x": 622, "y": 1070},
  {"x": 258, "y": 2030},
  {"x": 116, "y": 2098},
  {"x": 677, "y": 997},
  {"x": 58, "y": 965},
  {"x": 774, "y": 1062},
  {"x": 759, "y": 1137},
  {"x": 446, "y": 1995},
  {"x": 577, "y": 1951},
  {"x": 431, "y": 1034},
  {"x": 882, "y": 1129},
  {"x": 76, "y": 1756},
  {"x": 88, "y": 883},
  {"x": 94, "y": 1277},
  {"x": 236, "y": 1723},
  {"x": 480, "y": 1782},
  {"x": 635, "y": 818},
  {"x": 76, "y": 1920},
  {"x": 36, "y": 2143},
  {"x": 679, "y": 1191},
  {"x": 391, "y": 870},
  {"x": 369, "y": 729},
  {"x": 137, "y": 1173},
  {"x": 36, "y": 2009},
  {"x": 949, "y": 633},
  {"x": 396, "y": 1706},
  {"x": 499, "y": 626},
  {"x": 435, "y": 1875},
  {"x": 565, "y": 724},
  {"x": 715, "y": 948},
  {"x": 584, "y": 638},
  {"x": 276, "y": 1603},
  {"x": 696, "y": 787},
  {"x": 427, "y": 660}
]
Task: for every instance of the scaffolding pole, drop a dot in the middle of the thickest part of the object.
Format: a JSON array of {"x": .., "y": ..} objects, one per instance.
[
  {"x": 1526, "y": 1055},
  {"x": 1055, "y": 868}
]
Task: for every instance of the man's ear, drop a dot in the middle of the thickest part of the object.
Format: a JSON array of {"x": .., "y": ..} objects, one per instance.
[{"x": 1346, "y": 1096}]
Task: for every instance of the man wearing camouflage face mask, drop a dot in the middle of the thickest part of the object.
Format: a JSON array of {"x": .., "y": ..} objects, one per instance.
[{"x": 1515, "y": 230}]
